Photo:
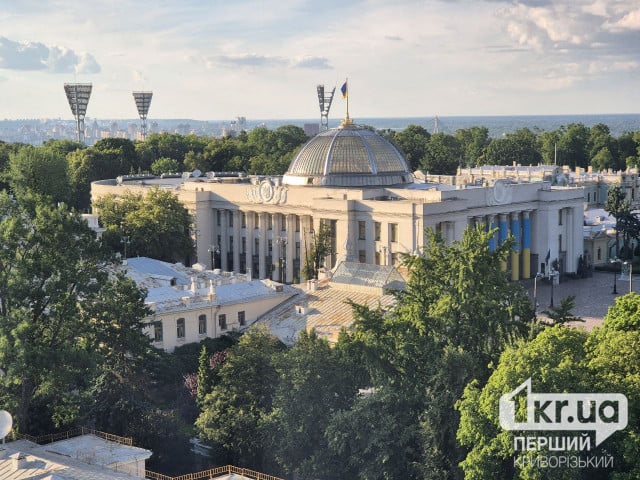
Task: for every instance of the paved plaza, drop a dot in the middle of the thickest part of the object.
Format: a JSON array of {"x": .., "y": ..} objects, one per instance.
[{"x": 593, "y": 295}]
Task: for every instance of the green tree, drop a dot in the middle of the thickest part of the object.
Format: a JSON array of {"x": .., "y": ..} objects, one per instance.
[
  {"x": 165, "y": 165},
  {"x": 520, "y": 147},
  {"x": 413, "y": 143},
  {"x": 558, "y": 360},
  {"x": 157, "y": 224},
  {"x": 617, "y": 206},
  {"x": 474, "y": 142},
  {"x": 554, "y": 361},
  {"x": 235, "y": 413},
  {"x": 573, "y": 146},
  {"x": 443, "y": 154},
  {"x": 313, "y": 386},
  {"x": 38, "y": 170},
  {"x": 59, "y": 308},
  {"x": 458, "y": 311},
  {"x": 321, "y": 247}
]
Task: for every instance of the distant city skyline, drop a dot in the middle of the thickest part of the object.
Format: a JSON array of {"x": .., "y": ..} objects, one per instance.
[{"x": 264, "y": 58}]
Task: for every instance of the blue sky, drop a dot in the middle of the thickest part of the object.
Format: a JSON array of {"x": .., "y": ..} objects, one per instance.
[{"x": 216, "y": 59}]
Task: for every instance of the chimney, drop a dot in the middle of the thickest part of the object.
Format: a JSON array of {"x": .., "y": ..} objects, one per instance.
[
  {"x": 212, "y": 291},
  {"x": 18, "y": 461},
  {"x": 194, "y": 287}
]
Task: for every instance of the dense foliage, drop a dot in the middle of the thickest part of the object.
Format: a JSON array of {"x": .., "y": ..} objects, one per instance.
[
  {"x": 559, "y": 360},
  {"x": 155, "y": 225},
  {"x": 298, "y": 411}
]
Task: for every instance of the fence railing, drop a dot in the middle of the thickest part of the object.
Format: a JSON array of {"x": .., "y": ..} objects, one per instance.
[
  {"x": 212, "y": 473},
  {"x": 76, "y": 432}
]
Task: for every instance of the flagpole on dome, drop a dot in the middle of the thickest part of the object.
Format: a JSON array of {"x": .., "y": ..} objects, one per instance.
[{"x": 345, "y": 94}]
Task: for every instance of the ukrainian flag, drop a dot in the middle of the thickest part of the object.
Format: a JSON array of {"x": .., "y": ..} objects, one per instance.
[{"x": 343, "y": 89}]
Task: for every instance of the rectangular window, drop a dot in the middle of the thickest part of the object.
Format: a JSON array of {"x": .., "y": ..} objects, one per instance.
[
  {"x": 378, "y": 258},
  {"x": 230, "y": 216},
  {"x": 218, "y": 217},
  {"x": 241, "y": 319},
  {"x": 297, "y": 253},
  {"x": 297, "y": 223},
  {"x": 157, "y": 331},
  {"x": 283, "y": 223},
  {"x": 222, "y": 321},
  {"x": 244, "y": 245},
  {"x": 362, "y": 230},
  {"x": 244, "y": 220},
  {"x": 560, "y": 217},
  {"x": 362, "y": 256},
  {"x": 393, "y": 232},
  {"x": 256, "y": 246},
  {"x": 230, "y": 243},
  {"x": 180, "y": 328},
  {"x": 269, "y": 222},
  {"x": 394, "y": 258},
  {"x": 202, "y": 324},
  {"x": 377, "y": 228},
  {"x": 560, "y": 243}
]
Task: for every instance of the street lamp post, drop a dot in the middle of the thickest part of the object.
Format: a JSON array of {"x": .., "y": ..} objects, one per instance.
[
  {"x": 613, "y": 261},
  {"x": 535, "y": 293},
  {"x": 125, "y": 240},
  {"x": 552, "y": 275}
]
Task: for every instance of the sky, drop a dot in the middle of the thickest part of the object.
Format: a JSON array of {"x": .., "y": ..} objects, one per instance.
[{"x": 262, "y": 59}]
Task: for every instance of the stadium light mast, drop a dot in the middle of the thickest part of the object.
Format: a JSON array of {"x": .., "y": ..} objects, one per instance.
[
  {"x": 143, "y": 102},
  {"x": 78, "y": 95},
  {"x": 324, "y": 99}
]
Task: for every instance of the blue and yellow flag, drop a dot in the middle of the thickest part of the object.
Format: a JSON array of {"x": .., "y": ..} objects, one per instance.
[{"x": 343, "y": 89}]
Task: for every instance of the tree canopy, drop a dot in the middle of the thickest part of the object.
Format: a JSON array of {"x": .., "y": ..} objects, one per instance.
[{"x": 155, "y": 225}]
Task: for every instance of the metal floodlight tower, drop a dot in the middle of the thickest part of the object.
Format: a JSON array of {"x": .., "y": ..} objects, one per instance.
[
  {"x": 325, "y": 104},
  {"x": 78, "y": 95},
  {"x": 143, "y": 102}
]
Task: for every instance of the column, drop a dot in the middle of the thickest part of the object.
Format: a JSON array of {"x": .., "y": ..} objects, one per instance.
[
  {"x": 249, "y": 236},
  {"x": 291, "y": 247},
  {"x": 492, "y": 240},
  {"x": 306, "y": 224},
  {"x": 503, "y": 233},
  {"x": 237, "y": 233},
  {"x": 215, "y": 231},
  {"x": 224, "y": 234},
  {"x": 262, "y": 235},
  {"x": 526, "y": 245},
  {"x": 515, "y": 253}
]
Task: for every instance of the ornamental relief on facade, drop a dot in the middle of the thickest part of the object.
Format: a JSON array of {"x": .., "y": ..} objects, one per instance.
[
  {"x": 500, "y": 194},
  {"x": 267, "y": 191}
]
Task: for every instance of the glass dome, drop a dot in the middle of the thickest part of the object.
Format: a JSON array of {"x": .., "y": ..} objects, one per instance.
[{"x": 348, "y": 156}]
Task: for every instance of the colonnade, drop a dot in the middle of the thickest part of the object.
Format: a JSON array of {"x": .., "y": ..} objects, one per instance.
[
  {"x": 269, "y": 245},
  {"x": 517, "y": 224}
]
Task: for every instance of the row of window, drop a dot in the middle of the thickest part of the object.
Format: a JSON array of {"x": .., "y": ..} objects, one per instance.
[
  {"x": 270, "y": 220},
  {"x": 202, "y": 326},
  {"x": 377, "y": 228}
]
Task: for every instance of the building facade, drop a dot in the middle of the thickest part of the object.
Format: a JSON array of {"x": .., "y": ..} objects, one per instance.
[{"x": 358, "y": 184}]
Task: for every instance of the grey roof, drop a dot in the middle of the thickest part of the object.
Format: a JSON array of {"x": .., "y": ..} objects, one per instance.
[
  {"x": 348, "y": 156},
  {"x": 152, "y": 267},
  {"x": 367, "y": 275}
]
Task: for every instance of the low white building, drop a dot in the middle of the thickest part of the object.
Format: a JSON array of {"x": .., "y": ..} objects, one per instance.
[
  {"x": 84, "y": 457},
  {"x": 190, "y": 304}
]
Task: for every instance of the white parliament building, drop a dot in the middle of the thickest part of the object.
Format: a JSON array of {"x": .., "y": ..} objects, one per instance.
[{"x": 359, "y": 184}]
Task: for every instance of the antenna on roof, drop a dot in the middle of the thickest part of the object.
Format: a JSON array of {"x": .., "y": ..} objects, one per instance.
[{"x": 6, "y": 423}]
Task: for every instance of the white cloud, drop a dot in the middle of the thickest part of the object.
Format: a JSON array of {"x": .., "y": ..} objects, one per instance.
[{"x": 38, "y": 56}]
